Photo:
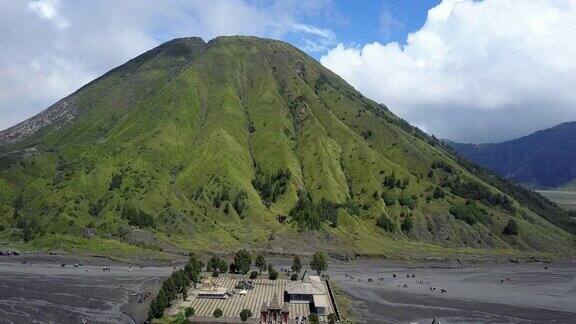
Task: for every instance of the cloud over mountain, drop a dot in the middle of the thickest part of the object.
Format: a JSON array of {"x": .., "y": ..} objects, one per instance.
[
  {"x": 476, "y": 70},
  {"x": 50, "y": 47}
]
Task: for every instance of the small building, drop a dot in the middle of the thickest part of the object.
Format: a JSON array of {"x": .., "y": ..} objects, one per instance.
[
  {"x": 273, "y": 313},
  {"x": 213, "y": 293},
  {"x": 310, "y": 290}
]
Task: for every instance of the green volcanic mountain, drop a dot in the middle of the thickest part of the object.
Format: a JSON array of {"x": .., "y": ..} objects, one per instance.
[
  {"x": 249, "y": 142},
  {"x": 544, "y": 159}
]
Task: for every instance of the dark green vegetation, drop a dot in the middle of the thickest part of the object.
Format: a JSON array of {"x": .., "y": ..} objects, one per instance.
[
  {"x": 177, "y": 283},
  {"x": 511, "y": 228},
  {"x": 313, "y": 318},
  {"x": 260, "y": 262},
  {"x": 272, "y": 274},
  {"x": 296, "y": 264},
  {"x": 544, "y": 159},
  {"x": 318, "y": 262},
  {"x": 245, "y": 314},
  {"x": 242, "y": 261},
  {"x": 247, "y": 142},
  {"x": 216, "y": 264}
]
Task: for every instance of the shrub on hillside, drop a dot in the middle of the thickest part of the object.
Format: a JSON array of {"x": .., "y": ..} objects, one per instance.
[
  {"x": 271, "y": 185},
  {"x": 367, "y": 134},
  {"x": 240, "y": 202},
  {"x": 304, "y": 212},
  {"x": 115, "y": 182},
  {"x": 407, "y": 224},
  {"x": 385, "y": 223},
  {"x": 388, "y": 198},
  {"x": 328, "y": 210},
  {"x": 407, "y": 200},
  {"x": 443, "y": 166},
  {"x": 220, "y": 197},
  {"x": 391, "y": 182},
  {"x": 511, "y": 228},
  {"x": 352, "y": 207},
  {"x": 438, "y": 193},
  {"x": 28, "y": 225},
  {"x": 479, "y": 192},
  {"x": 137, "y": 218},
  {"x": 309, "y": 215},
  {"x": 469, "y": 213}
]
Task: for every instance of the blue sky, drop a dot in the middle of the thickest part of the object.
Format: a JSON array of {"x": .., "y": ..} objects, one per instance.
[
  {"x": 383, "y": 21},
  {"x": 356, "y": 23},
  {"x": 466, "y": 70}
]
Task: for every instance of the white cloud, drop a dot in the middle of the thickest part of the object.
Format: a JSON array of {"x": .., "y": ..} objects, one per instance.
[
  {"x": 52, "y": 47},
  {"x": 388, "y": 20},
  {"x": 476, "y": 71},
  {"x": 48, "y": 9}
]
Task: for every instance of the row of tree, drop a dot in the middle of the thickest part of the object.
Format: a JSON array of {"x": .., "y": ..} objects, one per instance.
[
  {"x": 476, "y": 191},
  {"x": 243, "y": 263},
  {"x": 391, "y": 182},
  {"x": 177, "y": 283}
]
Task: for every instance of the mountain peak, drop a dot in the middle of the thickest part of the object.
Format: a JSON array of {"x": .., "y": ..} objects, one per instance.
[{"x": 249, "y": 141}]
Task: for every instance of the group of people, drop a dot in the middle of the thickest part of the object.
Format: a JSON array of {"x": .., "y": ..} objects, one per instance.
[{"x": 402, "y": 285}]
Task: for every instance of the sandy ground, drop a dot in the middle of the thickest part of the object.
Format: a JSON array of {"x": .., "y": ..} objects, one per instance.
[
  {"x": 49, "y": 293},
  {"x": 476, "y": 294}
]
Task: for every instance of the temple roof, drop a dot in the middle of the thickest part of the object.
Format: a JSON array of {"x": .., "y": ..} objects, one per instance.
[
  {"x": 274, "y": 304},
  {"x": 311, "y": 285}
]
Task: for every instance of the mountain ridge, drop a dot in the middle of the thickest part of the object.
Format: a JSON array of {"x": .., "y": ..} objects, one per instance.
[
  {"x": 544, "y": 159},
  {"x": 243, "y": 141}
]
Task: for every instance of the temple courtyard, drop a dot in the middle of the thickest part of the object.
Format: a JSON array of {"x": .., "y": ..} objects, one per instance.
[{"x": 270, "y": 301}]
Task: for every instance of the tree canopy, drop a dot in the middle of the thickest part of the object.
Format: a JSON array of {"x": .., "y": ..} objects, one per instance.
[
  {"x": 243, "y": 261},
  {"x": 319, "y": 262}
]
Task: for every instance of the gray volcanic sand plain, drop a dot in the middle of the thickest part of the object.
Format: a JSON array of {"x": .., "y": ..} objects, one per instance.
[
  {"x": 475, "y": 293},
  {"x": 49, "y": 293}
]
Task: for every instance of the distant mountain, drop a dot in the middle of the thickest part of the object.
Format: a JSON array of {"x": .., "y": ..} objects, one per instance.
[
  {"x": 249, "y": 142},
  {"x": 544, "y": 159}
]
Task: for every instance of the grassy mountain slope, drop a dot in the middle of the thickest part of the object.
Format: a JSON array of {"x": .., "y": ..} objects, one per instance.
[
  {"x": 250, "y": 142},
  {"x": 544, "y": 159}
]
